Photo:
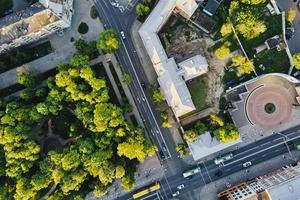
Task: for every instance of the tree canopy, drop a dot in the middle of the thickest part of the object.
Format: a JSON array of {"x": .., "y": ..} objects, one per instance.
[
  {"x": 223, "y": 51},
  {"x": 243, "y": 65},
  {"x": 108, "y": 41},
  {"x": 101, "y": 147},
  {"x": 296, "y": 60}
]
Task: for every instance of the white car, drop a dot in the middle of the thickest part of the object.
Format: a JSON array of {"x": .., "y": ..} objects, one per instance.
[
  {"x": 247, "y": 164},
  {"x": 176, "y": 194},
  {"x": 180, "y": 187},
  {"x": 123, "y": 35}
]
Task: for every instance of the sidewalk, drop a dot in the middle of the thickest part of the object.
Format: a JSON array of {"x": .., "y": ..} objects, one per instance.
[
  {"x": 147, "y": 173},
  {"x": 142, "y": 54},
  {"x": 40, "y": 65}
]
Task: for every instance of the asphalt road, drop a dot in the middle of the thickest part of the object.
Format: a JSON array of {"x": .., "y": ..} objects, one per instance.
[
  {"x": 257, "y": 152},
  {"x": 111, "y": 17}
]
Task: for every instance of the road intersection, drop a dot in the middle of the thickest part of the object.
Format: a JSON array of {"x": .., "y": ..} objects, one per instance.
[{"x": 258, "y": 152}]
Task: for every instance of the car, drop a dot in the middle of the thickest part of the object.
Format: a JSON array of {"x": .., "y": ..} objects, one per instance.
[
  {"x": 163, "y": 146},
  {"x": 247, "y": 164},
  {"x": 180, "y": 187},
  {"x": 176, "y": 193},
  {"x": 143, "y": 85},
  {"x": 162, "y": 155},
  {"x": 123, "y": 35},
  {"x": 218, "y": 173}
]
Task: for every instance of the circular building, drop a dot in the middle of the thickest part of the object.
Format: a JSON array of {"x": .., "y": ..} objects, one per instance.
[{"x": 267, "y": 101}]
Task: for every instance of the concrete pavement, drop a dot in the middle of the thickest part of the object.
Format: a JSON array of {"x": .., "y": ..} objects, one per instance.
[{"x": 294, "y": 43}]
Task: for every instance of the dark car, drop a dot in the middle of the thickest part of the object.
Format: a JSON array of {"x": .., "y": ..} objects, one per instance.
[
  {"x": 162, "y": 155},
  {"x": 143, "y": 85},
  {"x": 218, "y": 173}
]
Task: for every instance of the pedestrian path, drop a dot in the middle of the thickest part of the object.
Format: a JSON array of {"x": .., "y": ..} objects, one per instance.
[{"x": 40, "y": 65}]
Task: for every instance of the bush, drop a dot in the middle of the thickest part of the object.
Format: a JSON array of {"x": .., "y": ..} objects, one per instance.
[
  {"x": 94, "y": 13},
  {"x": 181, "y": 150},
  {"x": 190, "y": 135},
  {"x": 83, "y": 28}
]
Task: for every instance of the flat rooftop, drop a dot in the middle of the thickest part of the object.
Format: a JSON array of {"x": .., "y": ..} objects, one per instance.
[
  {"x": 22, "y": 14},
  {"x": 27, "y": 26},
  {"x": 287, "y": 190},
  {"x": 171, "y": 76}
]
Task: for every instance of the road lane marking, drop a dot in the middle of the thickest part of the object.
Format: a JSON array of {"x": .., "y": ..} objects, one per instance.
[{"x": 278, "y": 144}]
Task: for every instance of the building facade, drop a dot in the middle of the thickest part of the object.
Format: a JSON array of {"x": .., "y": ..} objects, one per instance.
[
  {"x": 34, "y": 23},
  {"x": 283, "y": 183}
]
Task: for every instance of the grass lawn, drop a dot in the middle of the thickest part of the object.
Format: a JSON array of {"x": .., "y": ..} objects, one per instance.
[
  {"x": 273, "y": 61},
  {"x": 198, "y": 90},
  {"x": 5, "y": 6},
  {"x": 274, "y": 27}
]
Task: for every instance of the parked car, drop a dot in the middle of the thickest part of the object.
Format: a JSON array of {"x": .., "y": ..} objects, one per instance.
[
  {"x": 180, "y": 187},
  {"x": 247, "y": 164},
  {"x": 163, "y": 146},
  {"x": 176, "y": 194}
]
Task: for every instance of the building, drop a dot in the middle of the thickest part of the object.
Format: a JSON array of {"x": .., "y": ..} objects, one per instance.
[
  {"x": 281, "y": 184},
  {"x": 211, "y": 7},
  {"x": 266, "y": 104},
  {"x": 34, "y": 23},
  {"x": 172, "y": 76}
]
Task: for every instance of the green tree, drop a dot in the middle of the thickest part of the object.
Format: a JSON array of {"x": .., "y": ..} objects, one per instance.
[
  {"x": 254, "y": 2},
  {"x": 200, "y": 127},
  {"x": 223, "y": 52},
  {"x": 127, "y": 79},
  {"x": 86, "y": 48},
  {"x": 157, "y": 96},
  {"x": 142, "y": 9},
  {"x": 120, "y": 171},
  {"x": 216, "y": 120},
  {"x": 190, "y": 135},
  {"x": 181, "y": 150},
  {"x": 108, "y": 41},
  {"x": 229, "y": 133},
  {"x": 28, "y": 79},
  {"x": 296, "y": 60},
  {"x": 248, "y": 25},
  {"x": 226, "y": 29},
  {"x": 128, "y": 183},
  {"x": 244, "y": 65},
  {"x": 291, "y": 14},
  {"x": 166, "y": 124}
]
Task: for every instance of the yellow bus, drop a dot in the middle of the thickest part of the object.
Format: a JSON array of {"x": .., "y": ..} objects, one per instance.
[{"x": 146, "y": 191}]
